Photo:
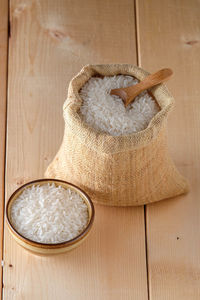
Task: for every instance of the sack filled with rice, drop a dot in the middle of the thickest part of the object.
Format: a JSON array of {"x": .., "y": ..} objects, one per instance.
[{"x": 118, "y": 155}]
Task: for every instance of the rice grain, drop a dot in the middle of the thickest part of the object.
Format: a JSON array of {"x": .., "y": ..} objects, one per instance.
[
  {"x": 49, "y": 214},
  {"x": 107, "y": 113}
]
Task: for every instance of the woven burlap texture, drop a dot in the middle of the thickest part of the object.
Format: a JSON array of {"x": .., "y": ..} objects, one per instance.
[{"x": 117, "y": 170}]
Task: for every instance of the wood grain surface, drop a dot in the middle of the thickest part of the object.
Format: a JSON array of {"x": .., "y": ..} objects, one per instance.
[
  {"x": 3, "y": 96},
  {"x": 169, "y": 36},
  {"x": 50, "y": 41},
  {"x": 127, "y": 256}
]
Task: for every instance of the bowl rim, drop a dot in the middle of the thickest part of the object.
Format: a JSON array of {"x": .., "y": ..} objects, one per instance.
[{"x": 53, "y": 245}]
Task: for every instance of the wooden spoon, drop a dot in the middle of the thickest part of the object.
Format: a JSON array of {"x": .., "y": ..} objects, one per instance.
[{"x": 128, "y": 94}]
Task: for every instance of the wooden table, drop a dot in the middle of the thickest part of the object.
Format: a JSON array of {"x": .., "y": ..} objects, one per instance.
[{"x": 150, "y": 252}]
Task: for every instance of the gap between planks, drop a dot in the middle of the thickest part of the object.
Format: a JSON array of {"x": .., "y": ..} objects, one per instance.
[
  {"x": 138, "y": 60},
  {"x": 138, "y": 57}
]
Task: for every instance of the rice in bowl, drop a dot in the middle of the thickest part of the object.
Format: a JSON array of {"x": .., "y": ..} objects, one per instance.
[{"x": 49, "y": 214}]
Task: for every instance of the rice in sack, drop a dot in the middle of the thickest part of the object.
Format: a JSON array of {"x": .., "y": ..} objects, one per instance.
[{"x": 117, "y": 165}]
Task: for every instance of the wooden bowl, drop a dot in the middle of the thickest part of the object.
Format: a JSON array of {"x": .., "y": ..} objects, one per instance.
[{"x": 47, "y": 249}]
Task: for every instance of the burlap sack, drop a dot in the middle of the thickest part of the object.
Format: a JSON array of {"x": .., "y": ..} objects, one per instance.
[{"x": 117, "y": 170}]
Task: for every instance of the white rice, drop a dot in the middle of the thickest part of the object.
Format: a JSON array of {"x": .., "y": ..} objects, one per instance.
[
  {"x": 49, "y": 214},
  {"x": 107, "y": 113}
]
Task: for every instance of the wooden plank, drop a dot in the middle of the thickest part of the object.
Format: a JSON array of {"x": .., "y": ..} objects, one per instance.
[
  {"x": 3, "y": 92},
  {"x": 50, "y": 42},
  {"x": 169, "y": 34}
]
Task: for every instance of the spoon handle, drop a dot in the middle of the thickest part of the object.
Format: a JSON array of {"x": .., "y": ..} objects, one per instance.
[{"x": 148, "y": 82}]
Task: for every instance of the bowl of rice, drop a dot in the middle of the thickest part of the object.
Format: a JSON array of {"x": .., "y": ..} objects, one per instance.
[{"x": 49, "y": 216}]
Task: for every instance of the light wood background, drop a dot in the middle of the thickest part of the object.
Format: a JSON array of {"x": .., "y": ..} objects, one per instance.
[
  {"x": 3, "y": 100},
  {"x": 152, "y": 252}
]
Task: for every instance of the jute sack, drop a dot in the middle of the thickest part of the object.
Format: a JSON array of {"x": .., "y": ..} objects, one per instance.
[{"x": 117, "y": 170}]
